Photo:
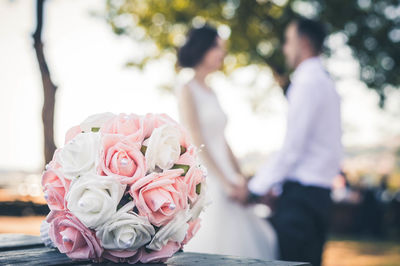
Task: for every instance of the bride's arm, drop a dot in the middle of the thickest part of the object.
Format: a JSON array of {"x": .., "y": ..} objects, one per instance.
[
  {"x": 233, "y": 159},
  {"x": 189, "y": 114}
]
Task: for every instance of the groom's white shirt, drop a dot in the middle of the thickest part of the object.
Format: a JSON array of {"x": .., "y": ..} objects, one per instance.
[{"x": 312, "y": 149}]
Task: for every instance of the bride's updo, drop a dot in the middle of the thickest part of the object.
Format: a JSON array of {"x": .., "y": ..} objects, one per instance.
[{"x": 198, "y": 42}]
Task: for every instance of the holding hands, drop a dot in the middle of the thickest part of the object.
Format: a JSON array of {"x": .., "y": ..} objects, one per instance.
[{"x": 239, "y": 192}]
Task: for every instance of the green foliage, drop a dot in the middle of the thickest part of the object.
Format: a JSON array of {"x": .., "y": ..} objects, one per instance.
[
  {"x": 372, "y": 30},
  {"x": 184, "y": 167}
]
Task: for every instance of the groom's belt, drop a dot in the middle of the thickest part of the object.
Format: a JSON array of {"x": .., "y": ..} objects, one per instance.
[{"x": 291, "y": 184}]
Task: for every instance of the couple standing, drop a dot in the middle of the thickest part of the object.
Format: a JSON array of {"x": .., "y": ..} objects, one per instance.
[{"x": 303, "y": 169}]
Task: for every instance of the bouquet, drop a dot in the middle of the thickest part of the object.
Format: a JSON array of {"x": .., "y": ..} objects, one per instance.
[{"x": 124, "y": 188}]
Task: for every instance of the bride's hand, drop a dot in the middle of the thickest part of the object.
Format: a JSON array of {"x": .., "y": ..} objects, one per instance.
[
  {"x": 239, "y": 192},
  {"x": 242, "y": 180}
]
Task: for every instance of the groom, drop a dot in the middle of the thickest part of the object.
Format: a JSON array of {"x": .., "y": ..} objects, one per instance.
[{"x": 310, "y": 156}]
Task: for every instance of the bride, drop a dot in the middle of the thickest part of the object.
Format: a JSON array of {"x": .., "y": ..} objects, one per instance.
[{"x": 227, "y": 227}]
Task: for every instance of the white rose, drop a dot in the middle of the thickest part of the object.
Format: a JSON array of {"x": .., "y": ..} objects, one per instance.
[
  {"x": 175, "y": 231},
  {"x": 163, "y": 148},
  {"x": 94, "y": 199},
  {"x": 79, "y": 155},
  {"x": 125, "y": 230},
  {"x": 95, "y": 121}
]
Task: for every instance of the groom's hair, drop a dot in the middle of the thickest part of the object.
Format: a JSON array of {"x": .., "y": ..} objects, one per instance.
[{"x": 313, "y": 30}]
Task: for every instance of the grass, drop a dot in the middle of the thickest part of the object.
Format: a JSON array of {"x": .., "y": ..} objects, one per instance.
[{"x": 341, "y": 251}]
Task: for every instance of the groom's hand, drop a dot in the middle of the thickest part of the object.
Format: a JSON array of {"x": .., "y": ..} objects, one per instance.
[{"x": 269, "y": 199}]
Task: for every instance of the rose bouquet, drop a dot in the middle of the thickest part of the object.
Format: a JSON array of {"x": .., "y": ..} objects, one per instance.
[{"x": 124, "y": 188}]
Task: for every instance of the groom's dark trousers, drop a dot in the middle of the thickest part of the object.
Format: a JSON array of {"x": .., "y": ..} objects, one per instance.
[{"x": 301, "y": 219}]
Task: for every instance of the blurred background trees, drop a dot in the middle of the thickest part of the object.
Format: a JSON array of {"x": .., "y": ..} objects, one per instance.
[{"x": 255, "y": 30}]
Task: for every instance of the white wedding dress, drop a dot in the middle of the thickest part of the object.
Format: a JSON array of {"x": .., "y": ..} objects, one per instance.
[{"x": 227, "y": 227}]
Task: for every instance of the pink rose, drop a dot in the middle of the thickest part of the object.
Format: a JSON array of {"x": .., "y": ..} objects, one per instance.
[
  {"x": 161, "y": 119},
  {"x": 73, "y": 238},
  {"x": 122, "y": 158},
  {"x": 194, "y": 227},
  {"x": 124, "y": 124},
  {"x": 148, "y": 125},
  {"x": 72, "y": 132},
  {"x": 188, "y": 157},
  {"x": 193, "y": 177},
  {"x": 162, "y": 255},
  {"x": 54, "y": 214},
  {"x": 55, "y": 186},
  {"x": 159, "y": 196}
]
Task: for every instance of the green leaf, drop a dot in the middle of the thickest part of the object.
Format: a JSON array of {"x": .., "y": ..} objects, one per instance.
[
  {"x": 198, "y": 189},
  {"x": 143, "y": 149},
  {"x": 183, "y": 150},
  {"x": 182, "y": 166},
  {"x": 95, "y": 129}
]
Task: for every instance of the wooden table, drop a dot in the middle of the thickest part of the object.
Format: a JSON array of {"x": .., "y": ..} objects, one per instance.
[{"x": 29, "y": 250}]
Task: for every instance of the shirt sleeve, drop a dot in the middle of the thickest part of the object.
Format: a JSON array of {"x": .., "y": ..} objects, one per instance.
[{"x": 304, "y": 101}]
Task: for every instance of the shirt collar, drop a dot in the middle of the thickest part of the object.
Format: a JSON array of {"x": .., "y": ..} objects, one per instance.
[
  {"x": 301, "y": 70},
  {"x": 306, "y": 64}
]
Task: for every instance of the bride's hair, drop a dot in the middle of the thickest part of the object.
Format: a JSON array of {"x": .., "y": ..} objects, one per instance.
[{"x": 198, "y": 42}]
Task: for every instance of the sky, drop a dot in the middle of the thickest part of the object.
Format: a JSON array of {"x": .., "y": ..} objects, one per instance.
[{"x": 87, "y": 59}]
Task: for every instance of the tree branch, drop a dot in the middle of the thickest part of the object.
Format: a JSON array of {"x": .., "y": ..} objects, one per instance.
[{"x": 49, "y": 88}]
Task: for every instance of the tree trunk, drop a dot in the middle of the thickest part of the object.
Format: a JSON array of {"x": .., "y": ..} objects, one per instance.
[{"x": 49, "y": 88}]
